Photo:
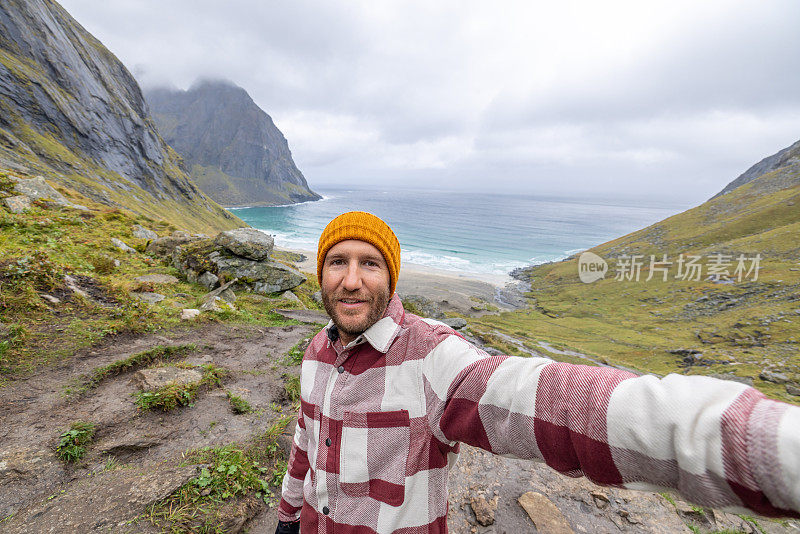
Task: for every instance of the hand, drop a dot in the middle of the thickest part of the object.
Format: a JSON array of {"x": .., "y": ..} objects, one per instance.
[{"x": 285, "y": 527}]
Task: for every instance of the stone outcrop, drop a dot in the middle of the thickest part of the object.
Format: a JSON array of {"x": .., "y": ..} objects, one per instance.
[
  {"x": 246, "y": 242},
  {"x": 229, "y": 256},
  {"x": 235, "y": 152}
]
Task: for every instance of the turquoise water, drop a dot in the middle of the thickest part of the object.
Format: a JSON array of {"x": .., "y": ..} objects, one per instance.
[{"x": 460, "y": 231}]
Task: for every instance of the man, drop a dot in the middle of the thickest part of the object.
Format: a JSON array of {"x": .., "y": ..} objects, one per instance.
[{"x": 386, "y": 398}]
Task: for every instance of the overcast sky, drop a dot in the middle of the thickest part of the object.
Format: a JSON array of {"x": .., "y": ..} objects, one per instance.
[{"x": 670, "y": 99}]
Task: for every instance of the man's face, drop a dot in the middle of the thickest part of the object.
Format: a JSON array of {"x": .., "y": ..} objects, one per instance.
[{"x": 355, "y": 287}]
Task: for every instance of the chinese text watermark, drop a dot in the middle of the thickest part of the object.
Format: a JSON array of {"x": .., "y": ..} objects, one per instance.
[{"x": 716, "y": 267}]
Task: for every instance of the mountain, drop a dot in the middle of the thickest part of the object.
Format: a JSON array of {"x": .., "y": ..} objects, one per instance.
[
  {"x": 785, "y": 162},
  {"x": 734, "y": 313},
  {"x": 236, "y": 153},
  {"x": 71, "y": 111}
]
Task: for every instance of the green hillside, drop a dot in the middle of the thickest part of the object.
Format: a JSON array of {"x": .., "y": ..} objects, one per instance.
[{"x": 739, "y": 327}]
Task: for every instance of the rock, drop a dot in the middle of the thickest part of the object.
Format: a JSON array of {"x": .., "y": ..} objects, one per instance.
[
  {"x": 72, "y": 285},
  {"x": 158, "y": 377},
  {"x": 456, "y": 323},
  {"x": 793, "y": 389},
  {"x": 100, "y": 503},
  {"x": 305, "y": 316},
  {"x": 259, "y": 277},
  {"x": 686, "y": 352},
  {"x": 123, "y": 447},
  {"x": 156, "y": 279},
  {"x": 224, "y": 292},
  {"x": 122, "y": 246},
  {"x": 208, "y": 280},
  {"x": 544, "y": 514},
  {"x": 288, "y": 295},
  {"x": 771, "y": 376},
  {"x": 51, "y": 299},
  {"x": 746, "y": 380},
  {"x": 235, "y": 514},
  {"x": 38, "y": 189},
  {"x": 600, "y": 498},
  {"x": 246, "y": 242},
  {"x": 17, "y": 204},
  {"x": 317, "y": 297},
  {"x": 141, "y": 232},
  {"x": 216, "y": 304},
  {"x": 424, "y": 305},
  {"x": 484, "y": 510},
  {"x": 188, "y": 314},
  {"x": 150, "y": 298},
  {"x": 164, "y": 246}
]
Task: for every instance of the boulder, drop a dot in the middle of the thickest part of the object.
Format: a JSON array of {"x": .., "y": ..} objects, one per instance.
[
  {"x": 258, "y": 276},
  {"x": 150, "y": 298},
  {"x": 188, "y": 314},
  {"x": 793, "y": 389},
  {"x": 159, "y": 377},
  {"x": 216, "y": 304},
  {"x": 141, "y": 232},
  {"x": 157, "y": 279},
  {"x": 224, "y": 292},
  {"x": 424, "y": 305},
  {"x": 38, "y": 189},
  {"x": 247, "y": 243},
  {"x": 291, "y": 297},
  {"x": 208, "y": 280},
  {"x": 118, "y": 244},
  {"x": 771, "y": 376},
  {"x": 164, "y": 246},
  {"x": 17, "y": 204},
  {"x": 456, "y": 323}
]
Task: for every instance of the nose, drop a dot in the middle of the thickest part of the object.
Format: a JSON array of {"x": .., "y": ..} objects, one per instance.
[{"x": 352, "y": 278}]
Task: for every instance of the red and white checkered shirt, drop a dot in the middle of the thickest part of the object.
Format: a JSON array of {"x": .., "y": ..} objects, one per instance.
[{"x": 381, "y": 420}]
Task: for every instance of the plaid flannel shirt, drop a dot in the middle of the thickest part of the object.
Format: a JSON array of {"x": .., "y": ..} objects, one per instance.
[{"x": 381, "y": 419}]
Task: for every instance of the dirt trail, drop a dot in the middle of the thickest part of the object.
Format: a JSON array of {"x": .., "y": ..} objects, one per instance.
[{"x": 34, "y": 411}]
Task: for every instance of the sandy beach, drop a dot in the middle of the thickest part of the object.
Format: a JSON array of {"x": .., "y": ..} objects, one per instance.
[{"x": 452, "y": 291}]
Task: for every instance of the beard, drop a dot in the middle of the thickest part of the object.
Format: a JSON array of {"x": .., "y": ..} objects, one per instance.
[{"x": 354, "y": 325}]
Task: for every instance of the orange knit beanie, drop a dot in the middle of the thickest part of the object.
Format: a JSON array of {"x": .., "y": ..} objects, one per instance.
[{"x": 362, "y": 226}]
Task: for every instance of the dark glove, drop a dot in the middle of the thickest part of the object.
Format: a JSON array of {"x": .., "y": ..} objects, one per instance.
[{"x": 285, "y": 527}]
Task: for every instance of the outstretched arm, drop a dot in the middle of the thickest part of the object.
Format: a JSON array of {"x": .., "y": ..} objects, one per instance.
[{"x": 719, "y": 443}]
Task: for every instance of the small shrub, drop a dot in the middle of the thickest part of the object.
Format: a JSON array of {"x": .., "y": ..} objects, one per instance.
[
  {"x": 296, "y": 353},
  {"x": 212, "y": 375},
  {"x": 166, "y": 398},
  {"x": 72, "y": 443},
  {"x": 238, "y": 404},
  {"x": 103, "y": 264}
]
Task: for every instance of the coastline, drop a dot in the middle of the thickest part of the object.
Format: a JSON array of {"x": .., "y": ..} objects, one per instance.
[{"x": 453, "y": 291}]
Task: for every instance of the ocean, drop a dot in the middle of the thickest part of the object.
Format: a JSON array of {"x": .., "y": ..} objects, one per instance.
[{"x": 483, "y": 233}]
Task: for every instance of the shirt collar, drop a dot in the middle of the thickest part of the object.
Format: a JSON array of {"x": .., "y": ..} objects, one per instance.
[{"x": 381, "y": 334}]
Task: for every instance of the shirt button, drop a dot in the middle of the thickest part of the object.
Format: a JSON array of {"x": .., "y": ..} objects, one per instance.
[
  {"x": 340, "y": 369},
  {"x": 326, "y": 510},
  {"x": 328, "y": 442}
]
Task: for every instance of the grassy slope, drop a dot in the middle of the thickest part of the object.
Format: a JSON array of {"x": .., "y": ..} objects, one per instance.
[
  {"x": 44, "y": 154},
  {"x": 234, "y": 191},
  {"x": 40, "y": 246},
  {"x": 634, "y": 324}
]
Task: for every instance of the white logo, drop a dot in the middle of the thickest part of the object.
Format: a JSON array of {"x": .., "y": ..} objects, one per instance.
[{"x": 591, "y": 267}]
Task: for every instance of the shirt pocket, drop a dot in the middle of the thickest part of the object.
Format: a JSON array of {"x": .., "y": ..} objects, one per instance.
[{"x": 374, "y": 455}]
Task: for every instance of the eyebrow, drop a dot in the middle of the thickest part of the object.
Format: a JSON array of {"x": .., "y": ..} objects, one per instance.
[{"x": 369, "y": 256}]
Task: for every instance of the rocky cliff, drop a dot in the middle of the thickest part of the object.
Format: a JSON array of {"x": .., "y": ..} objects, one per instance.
[
  {"x": 70, "y": 110},
  {"x": 234, "y": 151},
  {"x": 785, "y": 164}
]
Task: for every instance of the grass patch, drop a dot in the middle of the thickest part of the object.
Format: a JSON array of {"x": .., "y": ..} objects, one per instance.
[
  {"x": 229, "y": 472},
  {"x": 238, "y": 404},
  {"x": 73, "y": 442},
  {"x": 291, "y": 387},
  {"x": 296, "y": 353},
  {"x": 166, "y": 398},
  {"x": 161, "y": 353}
]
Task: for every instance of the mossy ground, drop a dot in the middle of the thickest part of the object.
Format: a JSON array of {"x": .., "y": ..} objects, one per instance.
[
  {"x": 39, "y": 247},
  {"x": 741, "y": 328}
]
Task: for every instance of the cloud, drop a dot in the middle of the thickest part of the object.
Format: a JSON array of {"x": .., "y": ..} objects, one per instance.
[{"x": 620, "y": 95}]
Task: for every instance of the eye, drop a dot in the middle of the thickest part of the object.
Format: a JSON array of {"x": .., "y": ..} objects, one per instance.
[
  {"x": 336, "y": 261},
  {"x": 370, "y": 263}
]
